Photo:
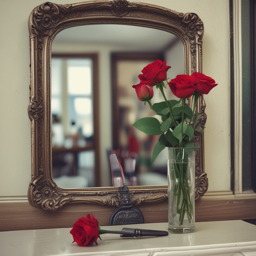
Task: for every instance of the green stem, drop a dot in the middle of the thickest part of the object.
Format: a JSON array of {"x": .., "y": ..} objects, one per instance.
[
  {"x": 182, "y": 191},
  {"x": 182, "y": 120},
  {"x": 150, "y": 104},
  {"x": 160, "y": 86}
]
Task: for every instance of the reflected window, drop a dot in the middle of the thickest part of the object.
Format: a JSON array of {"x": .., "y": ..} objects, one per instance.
[
  {"x": 79, "y": 77},
  {"x": 56, "y": 87},
  {"x": 72, "y": 121}
]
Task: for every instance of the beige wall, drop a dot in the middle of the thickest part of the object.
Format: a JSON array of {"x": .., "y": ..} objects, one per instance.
[{"x": 15, "y": 156}]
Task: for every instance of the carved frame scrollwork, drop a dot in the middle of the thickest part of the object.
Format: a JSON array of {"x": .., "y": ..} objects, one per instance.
[{"x": 45, "y": 21}]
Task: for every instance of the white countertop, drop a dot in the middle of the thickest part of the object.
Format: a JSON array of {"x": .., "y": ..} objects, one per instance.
[{"x": 210, "y": 238}]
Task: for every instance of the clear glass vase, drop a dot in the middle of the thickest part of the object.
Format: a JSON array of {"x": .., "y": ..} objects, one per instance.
[{"x": 181, "y": 190}]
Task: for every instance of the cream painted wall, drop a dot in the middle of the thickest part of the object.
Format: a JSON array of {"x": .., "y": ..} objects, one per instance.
[{"x": 15, "y": 159}]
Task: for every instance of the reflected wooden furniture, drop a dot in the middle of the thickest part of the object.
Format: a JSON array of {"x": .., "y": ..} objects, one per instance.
[
  {"x": 75, "y": 149},
  {"x": 58, "y": 155},
  {"x": 210, "y": 238}
]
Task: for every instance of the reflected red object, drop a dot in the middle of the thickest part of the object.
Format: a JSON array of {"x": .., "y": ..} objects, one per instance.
[{"x": 133, "y": 144}]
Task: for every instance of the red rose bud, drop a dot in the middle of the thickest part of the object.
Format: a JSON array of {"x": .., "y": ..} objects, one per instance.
[
  {"x": 144, "y": 91},
  {"x": 182, "y": 86},
  {"x": 203, "y": 83},
  {"x": 85, "y": 231},
  {"x": 154, "y": 73}
]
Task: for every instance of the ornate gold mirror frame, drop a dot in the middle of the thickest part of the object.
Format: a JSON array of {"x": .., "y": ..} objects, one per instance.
[{"x": 48, "y": 19}]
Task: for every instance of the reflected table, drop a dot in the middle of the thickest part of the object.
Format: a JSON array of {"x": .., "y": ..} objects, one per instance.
[
  {"x": 58, "y": 155},
  {"x": 210, "y": 238}
]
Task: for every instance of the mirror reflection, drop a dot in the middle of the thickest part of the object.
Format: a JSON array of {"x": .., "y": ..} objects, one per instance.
[{"x": 78, "y": 55}]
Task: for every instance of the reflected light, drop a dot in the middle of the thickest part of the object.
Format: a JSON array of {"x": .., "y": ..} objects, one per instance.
[
  {"x": 132, "y": 117},
  {"x": 88, "y": 129},
  {"x": 56, "y": 105},
  {"x": 83, "y": 106},
  {"x": 79, "y": 80}
]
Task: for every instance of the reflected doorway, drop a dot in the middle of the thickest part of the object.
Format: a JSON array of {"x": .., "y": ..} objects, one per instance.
[{"x": 126, "y": 109}]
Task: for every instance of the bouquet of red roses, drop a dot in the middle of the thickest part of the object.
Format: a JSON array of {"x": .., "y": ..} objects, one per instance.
[{"x": 179, "y": 121}]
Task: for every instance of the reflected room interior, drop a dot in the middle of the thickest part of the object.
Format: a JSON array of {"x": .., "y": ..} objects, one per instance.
[{"x": 74, "y": 103}]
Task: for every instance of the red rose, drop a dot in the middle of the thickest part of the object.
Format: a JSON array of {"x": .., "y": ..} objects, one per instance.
[
  {"x": 144, "y": 91},
  {"x": 203, "y": 83},
  {"x": 183, "y": 86},
  {"x": 85, "y": 231},
  {"x": 154, "y": 73}
]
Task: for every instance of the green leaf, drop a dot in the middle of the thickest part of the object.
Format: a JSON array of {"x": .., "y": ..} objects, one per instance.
[
  {"x": 185, "y": 140},
  {"x": 177, "y": 131},
  {"x": 178, "y": 118},
  {"x": 166, "y": 124},
  {"x": 164, "y": 111},
  {"x": 189, "y": 145},
  {"x": 177, "y": 109},
  {"x": 162, "y": 106},
  {"x": 164, "y": 117},
  {"x": 188, "y": 111},
  {"x": 190, "y": 131},
  {"x": 144, "y": 160},
  {"x": 173, "y": 103},
  {"x": 192, "y": 146},
  {"x": 162, "y": 140},
  {"x": 148, "y": 125},
  {"x": 158, "y": 107},
  {"x": 177, "y": 105},
  {"x": 169, "y": 136},
  {"x": 168, "y": 116},
  {"x": 157, "y": 149}
]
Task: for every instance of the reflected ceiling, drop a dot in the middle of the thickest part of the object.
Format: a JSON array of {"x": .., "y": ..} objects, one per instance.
[{"x": 117, "y": 35}]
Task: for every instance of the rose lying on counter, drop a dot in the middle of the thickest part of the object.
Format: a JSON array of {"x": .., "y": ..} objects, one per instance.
[{"x": 86, "y": 231}]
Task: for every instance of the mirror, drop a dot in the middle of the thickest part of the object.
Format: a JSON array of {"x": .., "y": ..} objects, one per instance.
[
  {"x": 45, "y": 22},
  {"x": 129, "y": 49}
]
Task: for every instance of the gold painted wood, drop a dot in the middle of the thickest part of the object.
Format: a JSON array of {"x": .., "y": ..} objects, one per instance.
[{"x": 48, "y": 19}]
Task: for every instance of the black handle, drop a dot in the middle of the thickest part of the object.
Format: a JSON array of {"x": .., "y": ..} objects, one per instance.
[{"x": 131, "y": 232}]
